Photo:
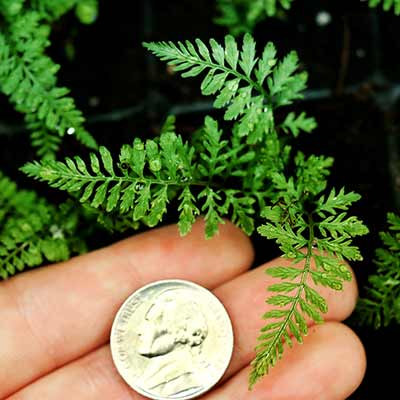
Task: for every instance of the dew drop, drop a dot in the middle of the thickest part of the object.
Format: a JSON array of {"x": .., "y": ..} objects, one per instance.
[
  {"x": 56, "y": 232},
  {"x": 138, "y": 145},
  {"x": 360, "y": 53},
  {"x": 155, "y": 165},
  {"x": 343, "y": 268},
  {"x": 70, "y": 131},
  {"x": 94, "y": 101},
  {"x": 139, "y": 187},
  {"x": 323, "y": 18}
]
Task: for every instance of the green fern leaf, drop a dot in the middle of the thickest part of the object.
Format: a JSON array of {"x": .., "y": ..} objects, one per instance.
[
  {"x": 29, "y": 79},
  {"x": 241, "y": 90},
  {"x": 32, "y": 231},
  {"x": 380, "y": 304}
]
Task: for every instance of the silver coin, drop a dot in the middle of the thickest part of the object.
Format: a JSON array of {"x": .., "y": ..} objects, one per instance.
[{"x": 172, "y": 339}]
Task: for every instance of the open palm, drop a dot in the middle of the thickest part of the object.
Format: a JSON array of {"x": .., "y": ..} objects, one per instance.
[{"x": 55, "y": 322}]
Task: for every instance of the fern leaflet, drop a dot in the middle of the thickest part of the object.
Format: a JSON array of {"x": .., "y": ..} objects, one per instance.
[
  {"x": 32, "y": 231},
  {"x": 380, "y": 305},
  {"x": 326, "y": 234},
  {"x": 249, "y": 87}
]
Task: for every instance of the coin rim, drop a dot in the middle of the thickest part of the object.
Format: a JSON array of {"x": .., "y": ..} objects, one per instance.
[{"x": 145, "y": 287}]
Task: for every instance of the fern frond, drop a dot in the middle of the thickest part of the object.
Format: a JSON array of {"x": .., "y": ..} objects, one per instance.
[
  {"x": 328, "y": 240},
  {"x": 381, "y": 303},
  {"x": 149, "y": 175},
  {"x": 32, "y": 231},
  {"x": 86, "y": 10},
  {"x": 386, "y": 4},
  {"x": 249, "y": 87},
  {"x": 241, "y": 16},
  {"x": 296, "y": 301},
  {"x": 28, "y": 77}
]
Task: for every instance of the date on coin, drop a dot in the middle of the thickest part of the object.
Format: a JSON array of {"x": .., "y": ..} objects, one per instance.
[{"x": 172, "y": 339}]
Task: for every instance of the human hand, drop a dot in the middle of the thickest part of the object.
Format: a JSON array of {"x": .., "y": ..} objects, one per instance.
[{"x": 55, "y": 322}]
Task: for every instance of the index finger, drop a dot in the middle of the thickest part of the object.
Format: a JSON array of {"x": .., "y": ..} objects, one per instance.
[{"x": 53, "y": 315}]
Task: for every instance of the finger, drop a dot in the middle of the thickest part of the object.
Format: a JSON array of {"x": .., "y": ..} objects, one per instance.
[
  {"x": 245, "y": 297},
  {"x": 90, "y": 377},
  {"x": 331, "y": 350},
  {"x": 330, "y": 365},
  {"x": 56, "y": 314}
]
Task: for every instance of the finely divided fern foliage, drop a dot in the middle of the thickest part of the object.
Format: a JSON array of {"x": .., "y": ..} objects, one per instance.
[
  {"x": 244, "y": 172},
  {"x": 311, "y": 228},
  {"x": 28, "y": 76},
  {"x": 33, "y": 231},
  {"x": 381, "y": 305},
  {"x": 249, "y": 87},
  {"x": 241, "y": 16},
  {"x": 153, "y": 173}
]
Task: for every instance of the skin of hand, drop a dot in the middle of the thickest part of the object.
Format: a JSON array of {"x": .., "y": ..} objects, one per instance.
[{"x": 55, "y": 322}]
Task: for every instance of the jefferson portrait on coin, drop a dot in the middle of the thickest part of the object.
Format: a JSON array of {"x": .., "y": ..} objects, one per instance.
[{"x": 170, "y": 338}]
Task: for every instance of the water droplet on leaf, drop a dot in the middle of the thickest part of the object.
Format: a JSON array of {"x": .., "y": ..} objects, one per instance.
[
  {"x": 138, "y": 145},
  {"x": 155, "y": 165},
  {"x": 56, "y": 232}
]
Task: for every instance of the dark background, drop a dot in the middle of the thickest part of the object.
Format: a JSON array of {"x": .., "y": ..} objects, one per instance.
[{"x": 353, "y": 92}]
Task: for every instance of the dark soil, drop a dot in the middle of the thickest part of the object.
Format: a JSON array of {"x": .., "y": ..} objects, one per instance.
[{"x": 353, "y": 71}]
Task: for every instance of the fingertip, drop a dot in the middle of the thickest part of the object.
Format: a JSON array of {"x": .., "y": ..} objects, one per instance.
[
  {"x": 332, "y": 357},
  {"x": 329, "y": 365},
  {"x": 353, "y": 351}
]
